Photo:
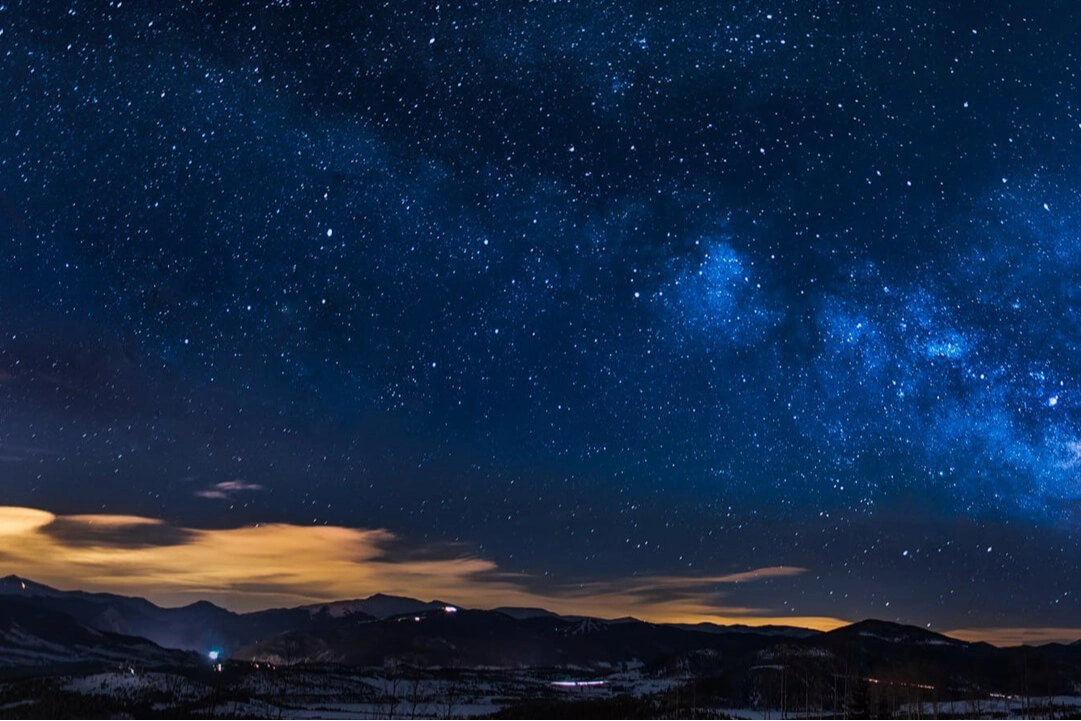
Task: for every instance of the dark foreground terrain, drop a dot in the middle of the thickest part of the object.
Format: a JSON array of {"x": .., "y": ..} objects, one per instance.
[{"x": 74, "y": 655}]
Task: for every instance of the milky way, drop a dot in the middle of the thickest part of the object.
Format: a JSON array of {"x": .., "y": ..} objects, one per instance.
[{"x": 586, "y": 289}]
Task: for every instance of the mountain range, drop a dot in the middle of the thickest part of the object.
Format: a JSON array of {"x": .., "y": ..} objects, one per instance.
[
  {"x": 33, "y": 636},
  {"x": 42, "y": 626},
  {"x": 203, "y": 626}
]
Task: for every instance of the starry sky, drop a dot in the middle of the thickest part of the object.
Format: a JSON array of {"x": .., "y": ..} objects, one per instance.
[{"x": 752, "y": 309}]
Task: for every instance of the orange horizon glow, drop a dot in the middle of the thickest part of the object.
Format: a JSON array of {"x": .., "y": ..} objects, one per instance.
[
  {"x": 1004, "y": 637},
  {"x": 280, "y": 565}
]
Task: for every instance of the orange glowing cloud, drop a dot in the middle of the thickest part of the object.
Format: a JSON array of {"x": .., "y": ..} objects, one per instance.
[
  {"x": 1017, "y": 636},
  {"x": 278, "y": 564},
  {"x": 269, "y": 565}
]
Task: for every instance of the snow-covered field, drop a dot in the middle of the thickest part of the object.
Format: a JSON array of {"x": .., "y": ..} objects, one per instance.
[
  {"x": 1012, "y": 707},
  {"x": 130, "y": 684},
  {"x": 757, "y": 714},
  {"x": 245, "y": 690}
]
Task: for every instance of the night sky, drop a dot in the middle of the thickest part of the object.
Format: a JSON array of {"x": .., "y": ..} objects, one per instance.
[{"x": 774, "y": 307}]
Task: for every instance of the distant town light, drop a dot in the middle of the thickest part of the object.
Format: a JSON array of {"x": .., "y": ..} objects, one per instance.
[{"x": 450, "y": 609}]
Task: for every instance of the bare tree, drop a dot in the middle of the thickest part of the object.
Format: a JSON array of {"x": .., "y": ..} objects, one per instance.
[
  {"x": 391, "y": 681},
  {"x": 414, "y": 695},
  {"x": 451, "y": 693}
]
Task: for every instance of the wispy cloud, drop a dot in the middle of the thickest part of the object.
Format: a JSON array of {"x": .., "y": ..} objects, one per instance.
[
  {"x": 278, "y": 564},
  {"x": 16, "y": 453},
  {"x": 226, "y": 489},
  {"x": 760, "y": 573},
  {"x": 1003, "y": 636}
]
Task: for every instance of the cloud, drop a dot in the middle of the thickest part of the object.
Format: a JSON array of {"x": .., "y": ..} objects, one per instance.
[
  {"x": 14, "y": 453},
  {"x": 760, "y": 573},
  {"x": 1017, "y": 636},
  {"x": 226, "y": 489},
  {"x": 277, "y": 564},
  {"x": 114, "y": 531}
]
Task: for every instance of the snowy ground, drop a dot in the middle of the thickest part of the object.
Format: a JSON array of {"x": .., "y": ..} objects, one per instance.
[
  {"x": 1013, "y": 707},
  {"x": 751, "y": 714},
  {"x": 131, "y": 684},
  {"x": 245, "y": 690}
]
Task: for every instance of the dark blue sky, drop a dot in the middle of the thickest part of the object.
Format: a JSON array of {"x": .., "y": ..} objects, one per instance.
[{"x": 592, "y": 289}]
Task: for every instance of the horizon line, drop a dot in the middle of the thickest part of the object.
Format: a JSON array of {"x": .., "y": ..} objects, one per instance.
[{"x": 281, "y": 565}]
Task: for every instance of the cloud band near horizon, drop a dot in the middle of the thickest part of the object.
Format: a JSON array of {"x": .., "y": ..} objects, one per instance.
[{"x": 276, "y": 564}]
